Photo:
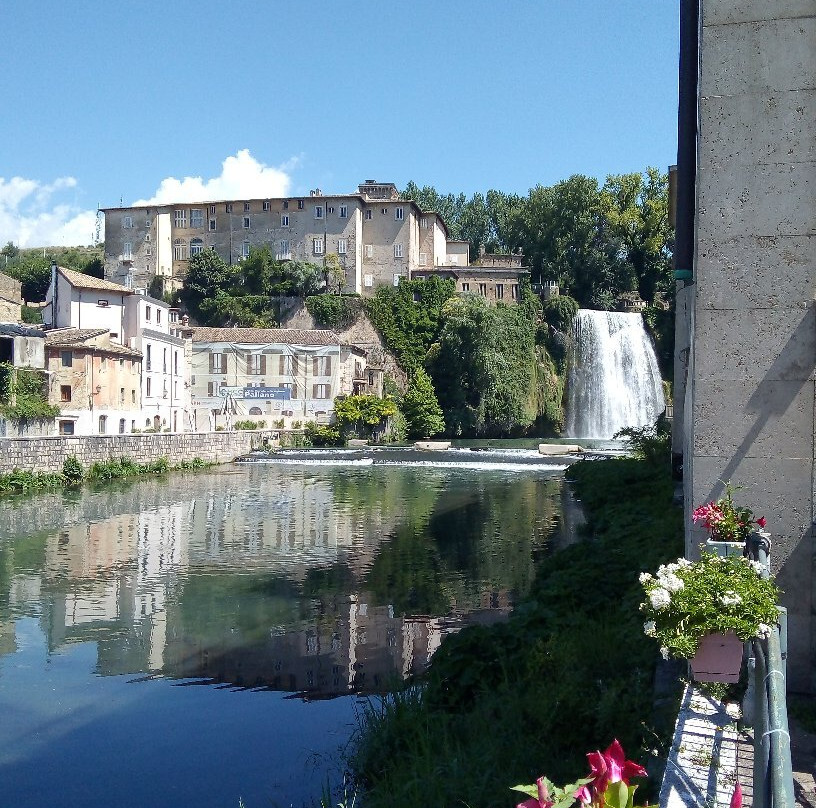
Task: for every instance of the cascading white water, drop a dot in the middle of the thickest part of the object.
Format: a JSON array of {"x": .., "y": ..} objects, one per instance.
[{"x": 614, "y": 381}]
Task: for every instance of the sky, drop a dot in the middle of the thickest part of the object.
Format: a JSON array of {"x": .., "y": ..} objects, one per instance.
[{"x": 108, "y": 103}]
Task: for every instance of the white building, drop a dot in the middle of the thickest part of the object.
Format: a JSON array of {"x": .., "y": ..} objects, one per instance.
[{"x": 133, "y": 321}]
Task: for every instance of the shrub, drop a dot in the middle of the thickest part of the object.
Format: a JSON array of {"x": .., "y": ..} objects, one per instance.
[
  {"x": 72, "y": 470},
  {"x": 323, "y": 435},
  {"x": 333, "y": 311}
]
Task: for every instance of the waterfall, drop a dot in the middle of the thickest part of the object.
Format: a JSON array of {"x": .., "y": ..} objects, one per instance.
[{"x": 614, "y": 381}]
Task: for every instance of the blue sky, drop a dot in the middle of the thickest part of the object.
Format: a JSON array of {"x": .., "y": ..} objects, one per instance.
[{"x": 109, "y": 101}]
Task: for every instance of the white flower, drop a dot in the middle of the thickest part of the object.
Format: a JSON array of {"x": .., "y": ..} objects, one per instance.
[
  {"x": 671, "y": 582},
  {"x": 664, "y": 652},
  {"x": 659, "y": 598},
  {"x": 644, "y": 577},
  {"x": 650, "y": 628},
  {"x": 763, "y": 631},
  {"x": 758, "y": 567},
  {"x": 683, "y": 562},
  {"x": 730, "y": 599}
]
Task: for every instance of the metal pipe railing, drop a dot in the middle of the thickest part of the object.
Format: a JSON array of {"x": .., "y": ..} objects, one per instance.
[{"x": 773, "y": 772}]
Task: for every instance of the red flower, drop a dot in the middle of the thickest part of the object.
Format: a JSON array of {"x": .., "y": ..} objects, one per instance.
[
  {"x": 761, "y": 522},
  {"x": 611, "y": 766},
  {"x": 543, "y": 800}
]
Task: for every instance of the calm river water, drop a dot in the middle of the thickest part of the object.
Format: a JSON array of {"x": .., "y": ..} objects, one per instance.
[{"x": 191, "y": 640}]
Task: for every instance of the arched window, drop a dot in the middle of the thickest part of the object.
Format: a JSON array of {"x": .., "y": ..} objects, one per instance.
[{"x": 255, "y": 411}]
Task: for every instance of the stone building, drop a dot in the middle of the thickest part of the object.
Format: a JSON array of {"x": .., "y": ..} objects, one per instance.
[
  {"x": 377, "y": 236},
  {"x": 11, "y": 299},
  {"x": 746, "y": 321},
  {"x": 276, "y": 375}
]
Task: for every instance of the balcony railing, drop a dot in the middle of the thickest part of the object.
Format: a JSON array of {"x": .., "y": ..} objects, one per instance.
[{"x": 773, "y": 773}]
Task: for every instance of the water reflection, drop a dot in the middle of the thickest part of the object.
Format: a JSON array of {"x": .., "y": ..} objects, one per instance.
[{"x": 312, "y": 581}]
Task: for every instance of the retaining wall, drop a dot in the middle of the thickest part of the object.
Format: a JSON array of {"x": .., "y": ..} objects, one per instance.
[{"x": 48, "y": 453}]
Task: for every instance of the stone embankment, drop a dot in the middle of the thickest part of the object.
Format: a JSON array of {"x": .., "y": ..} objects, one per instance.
[{"x": 46, "y": 454}]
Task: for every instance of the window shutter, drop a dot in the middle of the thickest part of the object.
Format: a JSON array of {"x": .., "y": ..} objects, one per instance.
[
  {"x": 315, "y": 368},
  {"x": 263, "y": 364}
]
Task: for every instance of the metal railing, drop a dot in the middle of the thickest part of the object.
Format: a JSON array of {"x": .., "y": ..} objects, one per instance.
[{"x": 773, "y": 774}]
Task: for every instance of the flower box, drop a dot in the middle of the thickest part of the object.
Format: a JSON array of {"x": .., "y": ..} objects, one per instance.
[
  {"x": 724, "y": 549},
  {"x": 718, "y": 658}
]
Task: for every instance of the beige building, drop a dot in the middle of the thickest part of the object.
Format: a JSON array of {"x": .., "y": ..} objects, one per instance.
[
  {"x": 495, "y": 277},
  {"x": 378, "y": 237},
  {"x": 276, "y": 375}
]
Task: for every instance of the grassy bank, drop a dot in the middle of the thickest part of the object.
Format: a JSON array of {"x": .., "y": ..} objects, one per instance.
[
  {"x": 74, "y": 474},
  {"x": 569, "y": 672}
]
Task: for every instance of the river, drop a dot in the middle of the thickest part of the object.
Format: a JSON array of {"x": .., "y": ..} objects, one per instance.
[{"x": 204, "y": 637}]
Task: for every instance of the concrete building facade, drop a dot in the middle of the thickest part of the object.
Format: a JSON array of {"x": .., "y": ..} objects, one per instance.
[
  {"x": 377, "y": 236},
  {"x": 748, "y": 303}
]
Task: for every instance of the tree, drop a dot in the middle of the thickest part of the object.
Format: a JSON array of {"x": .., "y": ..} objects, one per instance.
[
  {"x": 421, "y": 407},
  {"x": 207, "y": 274},
  {"x": 334, "y": 273},
  {"x": 362, "y": 414}
]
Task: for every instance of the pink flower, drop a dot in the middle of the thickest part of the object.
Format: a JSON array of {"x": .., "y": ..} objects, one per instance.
[
  {"x": 611, "y": 766},
  {"x": 543, "y": 800},
  {"x": 761, "y": 522},
  {"x": 736, "y": 797},
  {"x": 583, "y": 794}
]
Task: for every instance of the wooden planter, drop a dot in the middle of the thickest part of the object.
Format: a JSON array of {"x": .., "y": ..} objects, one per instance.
[{"x": 718, "y": 659}]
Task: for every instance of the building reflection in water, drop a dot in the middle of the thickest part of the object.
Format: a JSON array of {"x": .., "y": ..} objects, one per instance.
[{"x": 262, "y": 579}]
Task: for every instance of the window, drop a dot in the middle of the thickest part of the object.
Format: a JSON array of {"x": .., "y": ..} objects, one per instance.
[
  {"x": 127, "y": 222},
  {"x": 121, "y": 426},
  {"x": 121, "y": 363},
  {"x": 148, "y": 223},
  {"x": 133, "y": 396},
  {"x": 228, "y": 207},
  {"x": 483, "y": 289},
  {"x": 246, "y": 207},
  {"x": 514, "y": 291},
  {"x": 318, "y": 246},
  {"x": 321, "y": 366},
  {"x": 147, "y": 356},
  {"x": 368, "y": 213},
  {"x": 147, "y": 237},
  {"x": 286, "y": 204},
  {"x": 158, "y": 316},
  {"x": 321, "y": 390},
  {"x": 398, "y": 251},
  {"x": 213, "y": 224},
  {"x": 287, "y": 365},
  {"x": 284, "y": 220},
  {"x": 300, "y": 204},
  {"x": 342, "y": 246},
  {"x": 103, "y": 362},
  {"x": 148, "y": 387},
  {"x": 127, "y": 250},
  {"x": 267, "y": 205},
  {"x": 256, "y": 364},
  {"x": 164, "y": 360},
  {"x": 66, "y": 427},
  {"x": 499, "y": 291},
  {"x": 65, "y": 392},
  {"x": 148, "y": 252},
  {"x": 343, "y": 214},
  {"x": 148, "y": 317},
  {"x": 292, "y": 388},
  {"x": 218, "y": 363},
  {"x": 121, "y": 395},
  {"x": 384, "y": 211},
  {"x": 196, "y": 217},
  {"x": 423, "y": 259},
  {"x": 465, "y": 287},
  {"x": 397, "y": 277},
  {"x": 423, "y": 222},
  {"x": 283, "y": 252},
  {"x": 318, "y": 212},
  {"x": 368, "y": 280},
  {"x": 175, "y": 362},
  {"x": 330, "y": 209},
  {"x": 246, "y": 222},
  {"x": 180, "y": 218},
  {"x": 103, "y": 424},
  {"x": 399, "y": 214},
  {"x": 179, "y": 250},
  {"x": 369, "y": 250},
  {"x": 453, "y": 259},
  {"x": 212, "y": 210},
  {"x": 245, "y": 250},
  {"x": 67, "y": 358}
]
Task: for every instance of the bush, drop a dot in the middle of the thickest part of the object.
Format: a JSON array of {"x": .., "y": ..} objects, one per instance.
[
  {"x": 323, "y": 435},
  {"x": 334, "y": 311}
]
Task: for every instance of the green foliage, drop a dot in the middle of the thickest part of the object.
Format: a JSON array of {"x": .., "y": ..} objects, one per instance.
[
  {"x": 31, "y": 316},
  {"x": 570, "y": 671},
  {"x": 333, "y": 311},
  {"x": 362, "y": 414},
  {"x": 33, "y": 267},
  {"x": 420, "y": 407},
  {"x": 249, "y": 424},
  {"x": 409, "y": 317},
  {"x": 156, "y": 287},
  {"x": 22, "y": 394},
  {"x": 72, "y": 470},
  {"x": 484, "y": 368},
  {"x": 23, "y": 482},
  {"x": 650, "y": 443},
  {"x": 194, "y": 464},
  {"x": 319, "y": 435},
  {"x": 122, "y": 467},
  {"x": 559, "y": 312}
]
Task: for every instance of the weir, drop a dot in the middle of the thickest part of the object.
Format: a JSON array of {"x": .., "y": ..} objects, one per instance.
[{"x": 614, "y": 380}]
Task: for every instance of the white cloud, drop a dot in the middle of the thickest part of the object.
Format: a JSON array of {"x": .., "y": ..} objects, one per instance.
[
  {"x": 31, "y": 217},
  {"x": 242, "y": 177},
  {"x": 31, "y": 214}
]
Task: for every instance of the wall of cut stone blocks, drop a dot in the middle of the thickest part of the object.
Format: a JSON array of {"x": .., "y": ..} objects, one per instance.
[
  {"x": 750, "y": 406},
  {"x": 47, "y": 454}
]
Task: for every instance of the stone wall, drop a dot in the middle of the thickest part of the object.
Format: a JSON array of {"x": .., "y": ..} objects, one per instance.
[
  {"x": 750, "y": 405},
  {"x": 48, "y": 453}
]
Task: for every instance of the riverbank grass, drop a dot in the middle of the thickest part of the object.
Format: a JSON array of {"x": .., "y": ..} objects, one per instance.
[{"x": 569, "y": 672}]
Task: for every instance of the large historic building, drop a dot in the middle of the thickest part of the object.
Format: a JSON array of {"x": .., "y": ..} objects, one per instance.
[{"x": 377, "y": 236}]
